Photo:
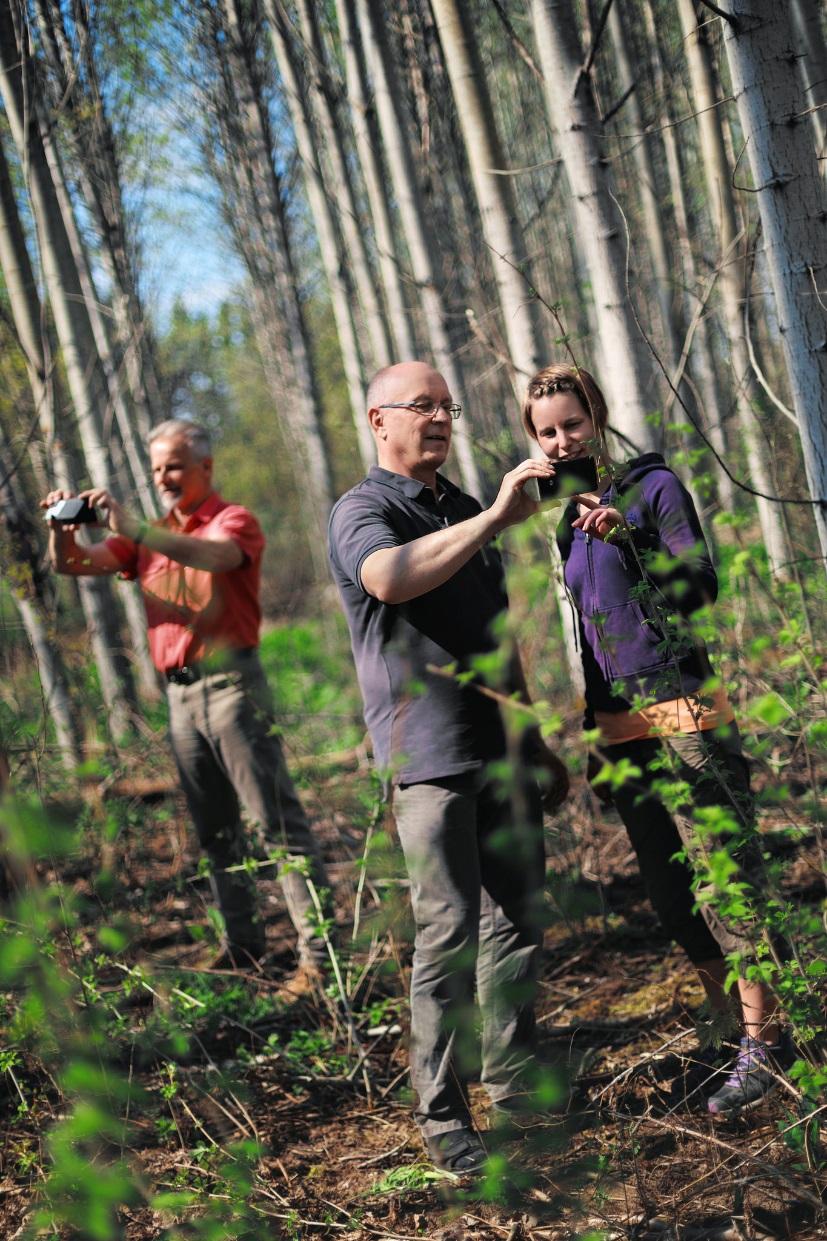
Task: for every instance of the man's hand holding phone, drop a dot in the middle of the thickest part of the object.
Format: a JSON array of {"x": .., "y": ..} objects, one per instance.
[
  {"x": 68, "y": 512},
  {"x": 570, "y": 478}
]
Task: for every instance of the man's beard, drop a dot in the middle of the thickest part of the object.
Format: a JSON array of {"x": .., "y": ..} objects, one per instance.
[{"x": 169, "y": 499}]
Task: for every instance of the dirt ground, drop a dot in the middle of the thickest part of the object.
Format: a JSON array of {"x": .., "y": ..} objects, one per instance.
[{"x": 342, "y": 1156}]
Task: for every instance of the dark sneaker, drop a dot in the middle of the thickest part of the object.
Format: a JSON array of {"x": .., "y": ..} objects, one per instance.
[
  {"x": 704, "y": 1071},
  {"x": 754, "y": 1076},
  {"x": 459, "y": 1151}
]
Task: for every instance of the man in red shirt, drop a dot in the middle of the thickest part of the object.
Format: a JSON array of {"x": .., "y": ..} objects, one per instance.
[{"x": 199, "y": 569}]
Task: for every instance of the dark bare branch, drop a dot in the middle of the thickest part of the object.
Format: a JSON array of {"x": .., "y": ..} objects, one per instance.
[{"x": 520, "y": 47}]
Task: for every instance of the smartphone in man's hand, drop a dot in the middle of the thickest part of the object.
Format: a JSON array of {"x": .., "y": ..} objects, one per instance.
[
  {"x": 571, "y": 477},
  {"x": 76, "y": 511}
]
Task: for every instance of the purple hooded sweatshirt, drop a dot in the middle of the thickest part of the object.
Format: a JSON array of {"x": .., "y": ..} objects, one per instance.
[{"x": 634, "y": 593}]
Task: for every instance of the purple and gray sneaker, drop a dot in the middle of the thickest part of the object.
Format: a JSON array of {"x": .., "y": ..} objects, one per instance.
[{"x": 754, "y": 1076}]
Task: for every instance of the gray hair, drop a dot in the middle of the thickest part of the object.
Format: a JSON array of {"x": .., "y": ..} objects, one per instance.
[{"x": 197, "y": 437}]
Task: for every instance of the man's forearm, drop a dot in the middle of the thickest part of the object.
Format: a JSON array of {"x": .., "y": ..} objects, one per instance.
[
  {"x": 214, "y": 555},
  {"x": 398, "y": 574}
]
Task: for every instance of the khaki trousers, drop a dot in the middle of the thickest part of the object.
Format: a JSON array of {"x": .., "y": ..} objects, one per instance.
[{"x": 228, "y": 755}]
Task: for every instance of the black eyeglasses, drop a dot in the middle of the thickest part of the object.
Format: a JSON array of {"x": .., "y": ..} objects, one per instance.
[{"x": 427, "y": 409}]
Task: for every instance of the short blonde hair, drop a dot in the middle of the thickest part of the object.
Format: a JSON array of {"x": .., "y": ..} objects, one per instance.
[{"x": 563, "y": 377}]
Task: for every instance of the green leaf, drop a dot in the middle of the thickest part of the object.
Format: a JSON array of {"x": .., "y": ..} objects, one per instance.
[{"x": 771, "y": 709}]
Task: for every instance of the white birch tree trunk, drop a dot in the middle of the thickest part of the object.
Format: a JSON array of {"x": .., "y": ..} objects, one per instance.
[
  {"x": 116, "y": 399},
  {"x": 255, "y": 213},
  {"x": 333, "y": 258},
  {"x": 367, "y": 149},
  {"x": 61, "y": 282},
  {"x": 657, "y": 248},
  {"x": 700, "y": 363},
  {"x": 87, "y": 127},
  {"x": 424, "y": 263},
  {"x": 809, "y": 34},
  {"x": 90, "y": 368},
  {"x": 718, "y": 175},
  {"x": 573, "y": 116},
  {"x": 494, "y": 194},
  {"x": 333, "y": 145},
  {"x": 27, "y": 555},
  {"x": 793, "y": 206}
]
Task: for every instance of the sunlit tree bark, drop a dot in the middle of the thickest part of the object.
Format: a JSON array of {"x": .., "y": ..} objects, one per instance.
[
  {"x": 718, "y": 175},
  {"x": 495, "y": 198},
  {"x": 809, "y": 32},
  {"x": 242, "y": 163},
  {"x": 600, "y": 229},
  {"x": 793, "y": 206},
  {"x": 333, "y": 258},
  {"x": 367, "y": 146},
  {"x": 73, "y": 77},
  {"x": 23, "y": 577},
  {"x": 709, "y": 401},
  {"x": 343, "y": 198},
  {"x": 74, "y": 335},
  {"x": 424, "y": 260}
]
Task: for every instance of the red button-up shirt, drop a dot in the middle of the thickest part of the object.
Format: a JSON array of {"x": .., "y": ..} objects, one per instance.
[{"x": 192, "y": 613}]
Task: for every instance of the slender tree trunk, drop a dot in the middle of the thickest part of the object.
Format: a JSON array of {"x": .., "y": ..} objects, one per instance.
[
  {"x": 650, "y": 200},
  {"x": 333, "y": 258},
  {"x": 77, "y": 94},
  {"x": 709, "y": 401},
  {"x": 494, "y": 194},
  {"x": 333, "y": 145},
  {"x": 600, "y": 229},
  {"x": 367, "y": 148},
  {"x": 718, "y": 174},
  {"x": 96, "y": 596},
  {"x": 67, "y": 306},
  {"x": 255, "y": 212},
  {"x": 136, "y": 455},
  {"x": 28, "y": 601},
  {"x": 90, "y": 338},
  {"x": 809, "y": 34},
  {"x": 793, "y": 206},
  {"x": 424, "y": 263}
]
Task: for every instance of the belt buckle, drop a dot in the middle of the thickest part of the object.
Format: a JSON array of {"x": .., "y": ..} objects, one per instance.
[{"x": 185, "y": 675}]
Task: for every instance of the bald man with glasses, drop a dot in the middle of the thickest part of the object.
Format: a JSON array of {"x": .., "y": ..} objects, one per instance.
[{"x": 423, "y": 589}]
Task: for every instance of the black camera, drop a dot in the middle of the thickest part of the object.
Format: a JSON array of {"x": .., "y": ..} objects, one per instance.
[
  {"x": 76, "y": 511},
  {"x": 571, "y": 478}
]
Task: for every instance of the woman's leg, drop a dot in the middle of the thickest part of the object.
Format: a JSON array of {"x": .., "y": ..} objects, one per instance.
[
  {"x": 714, "y": 767},
  {"x": 655, "y": 839}
]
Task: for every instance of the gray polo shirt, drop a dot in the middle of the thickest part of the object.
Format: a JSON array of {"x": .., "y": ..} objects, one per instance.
[{"x": 423, "y": 726}]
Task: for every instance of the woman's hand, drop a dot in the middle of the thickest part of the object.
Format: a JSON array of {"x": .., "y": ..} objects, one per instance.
[{"x": 601, "y": 520}]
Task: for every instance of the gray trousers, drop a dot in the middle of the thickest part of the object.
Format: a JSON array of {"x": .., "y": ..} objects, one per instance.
[
  {"x": 477, "y": 871},
  {"x": 228, "y": 756}
]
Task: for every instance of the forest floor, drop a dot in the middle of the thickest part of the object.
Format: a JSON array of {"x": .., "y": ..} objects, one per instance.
[{"x": 341, "y": 1153}]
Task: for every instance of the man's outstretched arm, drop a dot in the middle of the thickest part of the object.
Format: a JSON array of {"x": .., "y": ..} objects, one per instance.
[
  {"x": 398, "y": 574},
  {"x": 214, "y": 555}
]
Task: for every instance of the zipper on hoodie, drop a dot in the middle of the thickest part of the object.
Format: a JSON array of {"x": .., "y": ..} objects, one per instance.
[{"x": 590, "y": 566}]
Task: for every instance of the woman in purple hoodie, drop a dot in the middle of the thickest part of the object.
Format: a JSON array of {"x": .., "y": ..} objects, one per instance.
[{"x": 637, "y": 566}]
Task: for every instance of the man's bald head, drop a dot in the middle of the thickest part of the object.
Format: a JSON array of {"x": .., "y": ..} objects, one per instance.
[
  {"x": 409, "y": 408},
  {"x": 387, "y": 383}
]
